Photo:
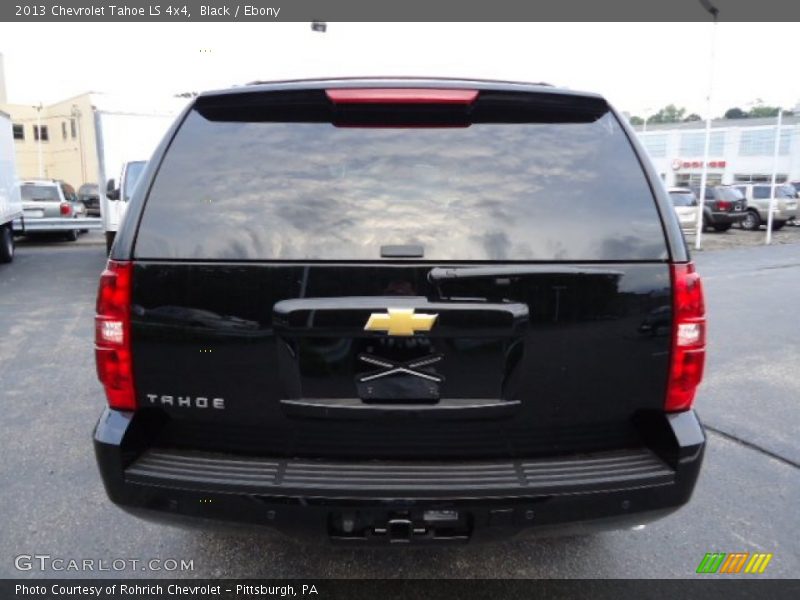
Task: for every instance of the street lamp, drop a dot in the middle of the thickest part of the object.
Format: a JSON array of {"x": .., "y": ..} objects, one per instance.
[
  {"x": 714, "y": 11},
  {"x": 75, "y": 115}
]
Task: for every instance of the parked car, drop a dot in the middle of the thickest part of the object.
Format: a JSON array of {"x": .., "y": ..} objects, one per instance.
[
  {"x": 71, "y": 196},
  {"x": 724, "y": 207},
  {"x": 396, "y": 329},
  {"x": 759, "y": 196},
  {"x": 685, "y": 204},
  {"x": 796, "y": 186},
  {"x": 89, "y": 195},
  {"x": 45, "y": 199}
]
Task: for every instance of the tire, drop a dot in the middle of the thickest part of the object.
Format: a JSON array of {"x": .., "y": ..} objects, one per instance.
[
  {"x": 752, "y": 222},
  {"x": 776, "y": 225},
  {"x": 109, "y": 241},
  {"x": 6, "y": 244},
  {"x": 72, "y": 235},
  {"x": 722, "y": 227}
]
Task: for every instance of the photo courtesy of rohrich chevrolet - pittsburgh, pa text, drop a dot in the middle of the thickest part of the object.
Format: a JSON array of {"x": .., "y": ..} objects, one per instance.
[{"x": 347, "y": 299}]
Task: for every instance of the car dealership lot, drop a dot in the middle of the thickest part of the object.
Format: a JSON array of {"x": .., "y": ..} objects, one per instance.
[{"x": 52, "y": 501}]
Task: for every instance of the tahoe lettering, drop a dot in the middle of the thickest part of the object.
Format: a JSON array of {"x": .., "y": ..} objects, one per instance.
[{"x": 187, "y": 401}]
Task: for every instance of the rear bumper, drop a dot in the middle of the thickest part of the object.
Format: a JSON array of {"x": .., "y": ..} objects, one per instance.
[
  {"x": 403, "y": 501},
  {"x": 56, "y": 224},
  {"x": 725, "y": 218},
  {"x": 783, "y": 214}
]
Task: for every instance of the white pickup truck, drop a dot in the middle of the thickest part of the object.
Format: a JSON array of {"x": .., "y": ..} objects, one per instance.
[{"x": 10, "y": 203}]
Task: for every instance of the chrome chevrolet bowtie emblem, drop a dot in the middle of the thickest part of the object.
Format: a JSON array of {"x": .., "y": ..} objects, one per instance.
[
  {"x": 391, "y": 367},
  {"x": 400, "y": 322}
]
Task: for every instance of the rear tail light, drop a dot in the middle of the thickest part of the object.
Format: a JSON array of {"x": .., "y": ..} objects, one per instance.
[
  {"x": 113, "y": 335},
  {"x": 65, "y": 209},
  {"x": 688, "y": 338},
  {"x": 724, "y": 205}
]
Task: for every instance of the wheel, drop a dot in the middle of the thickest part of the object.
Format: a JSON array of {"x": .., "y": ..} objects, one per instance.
[
  {"x": 109, "y": 241},
  {"x": 751, "y": 221},
  {"x": 71, "y": 235},
  {"x": 776, "y": 225},
  {"x": 722, "y": 227},
  {"x": 6, "y": 244}
]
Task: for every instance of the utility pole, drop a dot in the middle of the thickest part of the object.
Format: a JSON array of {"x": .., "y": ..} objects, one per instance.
[
  {"x": 646, "y": 118},
  {"x": 775, "y": 154},
  {"x": 39, "y": 138}
]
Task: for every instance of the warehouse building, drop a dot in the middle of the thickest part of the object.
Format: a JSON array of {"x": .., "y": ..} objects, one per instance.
[{"x": 740, "y": 150}]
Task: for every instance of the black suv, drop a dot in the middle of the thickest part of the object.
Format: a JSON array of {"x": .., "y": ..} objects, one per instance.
[
  {"x": 724, "y": 207},
  {"x": 400, "y": 310},
  {"x": 89, "y": 194}
]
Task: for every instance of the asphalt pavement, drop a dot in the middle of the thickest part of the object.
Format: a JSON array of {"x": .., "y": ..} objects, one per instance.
[{"x": 52, "y": 501}]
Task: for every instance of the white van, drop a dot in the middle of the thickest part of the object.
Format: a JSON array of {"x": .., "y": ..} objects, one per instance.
[{"x": 127, "y": 132}]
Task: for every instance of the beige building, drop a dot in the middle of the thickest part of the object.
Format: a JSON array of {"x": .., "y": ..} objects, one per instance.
[{"x": 55, "y": 141}]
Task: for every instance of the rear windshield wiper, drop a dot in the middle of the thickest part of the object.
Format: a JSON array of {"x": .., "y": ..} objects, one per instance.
[{"x": 450, "y": 273}]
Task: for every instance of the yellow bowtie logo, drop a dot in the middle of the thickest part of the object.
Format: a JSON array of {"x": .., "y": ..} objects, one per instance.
[{"x": 400, "y": 322}]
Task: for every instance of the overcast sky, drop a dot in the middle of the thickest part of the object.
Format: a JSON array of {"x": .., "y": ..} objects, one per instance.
[{"x": 637, "y": 66}]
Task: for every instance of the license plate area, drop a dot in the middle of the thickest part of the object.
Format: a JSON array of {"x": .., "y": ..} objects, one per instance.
[{"x": 325, "y": 352}]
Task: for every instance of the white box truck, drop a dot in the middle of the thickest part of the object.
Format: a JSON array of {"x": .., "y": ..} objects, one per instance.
[
  {"x": 127, "y": 132},
  {"x": 10, "y": 202}
]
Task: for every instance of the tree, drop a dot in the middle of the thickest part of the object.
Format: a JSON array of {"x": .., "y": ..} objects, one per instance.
[
  {"x": 763, "y": 111},
  {"x": 634, "y": 120},
  {"x": 693, "y": 117},
  {"x": 735, "y": 113},
  {"x": 669, "y": 114}
]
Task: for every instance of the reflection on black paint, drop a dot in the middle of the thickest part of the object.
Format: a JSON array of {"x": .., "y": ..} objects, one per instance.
[{"x": 294, "y": 191}]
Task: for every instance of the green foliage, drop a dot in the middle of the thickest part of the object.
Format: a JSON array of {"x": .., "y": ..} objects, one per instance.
[
  {"x": 757, "y": 110},
  {"x": 669, "y": 114},
  {"x": 762, "y": 111}
]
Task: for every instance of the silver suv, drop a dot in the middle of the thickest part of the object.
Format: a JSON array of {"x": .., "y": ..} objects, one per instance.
[{"x": 758, "y": 199}]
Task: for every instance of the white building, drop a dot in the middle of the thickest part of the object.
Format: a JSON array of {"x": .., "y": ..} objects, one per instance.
[{"x": 741, "y": 150}]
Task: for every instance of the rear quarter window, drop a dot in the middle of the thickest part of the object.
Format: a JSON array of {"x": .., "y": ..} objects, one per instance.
[{"x": 538, "y": 191}]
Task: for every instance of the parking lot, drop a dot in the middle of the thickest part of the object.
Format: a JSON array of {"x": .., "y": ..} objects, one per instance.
[{"x": 746, "y": 500}]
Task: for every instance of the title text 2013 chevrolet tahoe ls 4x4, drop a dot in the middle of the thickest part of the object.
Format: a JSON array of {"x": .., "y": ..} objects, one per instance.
[{"x": 400, "y": 310}]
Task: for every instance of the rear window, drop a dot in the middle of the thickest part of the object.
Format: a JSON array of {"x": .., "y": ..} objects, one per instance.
[
  {"x": 729, "y": 194},
  {"x": 40, "y": 193},
  {"x": 683, "y": 198},
  {"x": 527, "y": 191},
  {"x": 88, "y": 190}
]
